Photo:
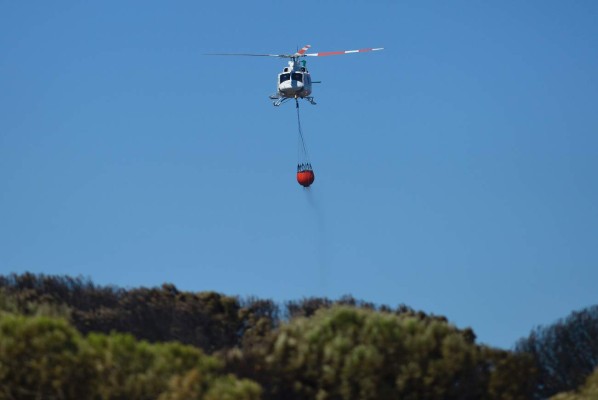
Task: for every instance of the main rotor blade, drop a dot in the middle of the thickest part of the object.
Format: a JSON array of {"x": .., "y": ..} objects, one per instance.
[
  {"x": 303, "y": 50},
  {"x": 249, "y": 55},
  {"x": 337, "y": 53}
]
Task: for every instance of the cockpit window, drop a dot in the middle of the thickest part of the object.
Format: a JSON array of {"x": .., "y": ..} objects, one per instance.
[
  {"x": 285, "y": 77},
  {"x": 297, "y": 77}
]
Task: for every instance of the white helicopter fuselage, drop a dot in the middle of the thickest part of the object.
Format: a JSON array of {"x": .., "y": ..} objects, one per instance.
[{"x": 294, "y": 81}]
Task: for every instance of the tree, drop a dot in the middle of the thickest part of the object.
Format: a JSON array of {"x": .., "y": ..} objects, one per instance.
[
  {"x": 258, "y": 319},
  {"x": 565, "y": 353},
  {"x": 348, "y": 353},
  {"x": 193, "y": 386},
  {"x": 208, "y": 320},
  {"x": 129, "y": 369},
  {"x": 46, "y": 358},
  {"x": 589, "y": 391},
  {"x": 40, "y": 358}
]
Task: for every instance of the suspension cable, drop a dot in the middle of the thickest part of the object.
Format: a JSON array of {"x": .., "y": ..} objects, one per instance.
[{"x": 300, "y": 131}]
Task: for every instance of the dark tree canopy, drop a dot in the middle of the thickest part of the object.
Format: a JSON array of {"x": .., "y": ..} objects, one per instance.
[
  {"x": 566, "y": 352},
  {"x": 56, "y": 330},
  {"x": 208, "y": 320}
]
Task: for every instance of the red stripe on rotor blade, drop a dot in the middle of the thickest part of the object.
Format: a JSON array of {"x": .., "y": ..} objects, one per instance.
[
  {"x": 330, "y": 53},
  {"x": 303, "y": 50}
]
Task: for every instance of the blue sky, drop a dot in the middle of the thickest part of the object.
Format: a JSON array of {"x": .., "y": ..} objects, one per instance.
[{"x": 455, "y": 170}]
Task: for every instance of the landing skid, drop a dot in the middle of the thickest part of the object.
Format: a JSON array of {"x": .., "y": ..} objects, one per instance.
[
  {"x": 278, "y": 100},
  {"x": 311, "y": 100}
]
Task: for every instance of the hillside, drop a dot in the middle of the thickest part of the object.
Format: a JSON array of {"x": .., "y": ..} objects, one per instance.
[{"x": 63, "y": 337}]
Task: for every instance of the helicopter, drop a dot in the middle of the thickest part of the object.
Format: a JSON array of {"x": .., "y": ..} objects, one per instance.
[{"x": 294, "y": 82}]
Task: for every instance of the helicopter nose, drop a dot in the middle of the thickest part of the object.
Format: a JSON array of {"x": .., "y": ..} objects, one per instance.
[{"x": 290, "y": 86}]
